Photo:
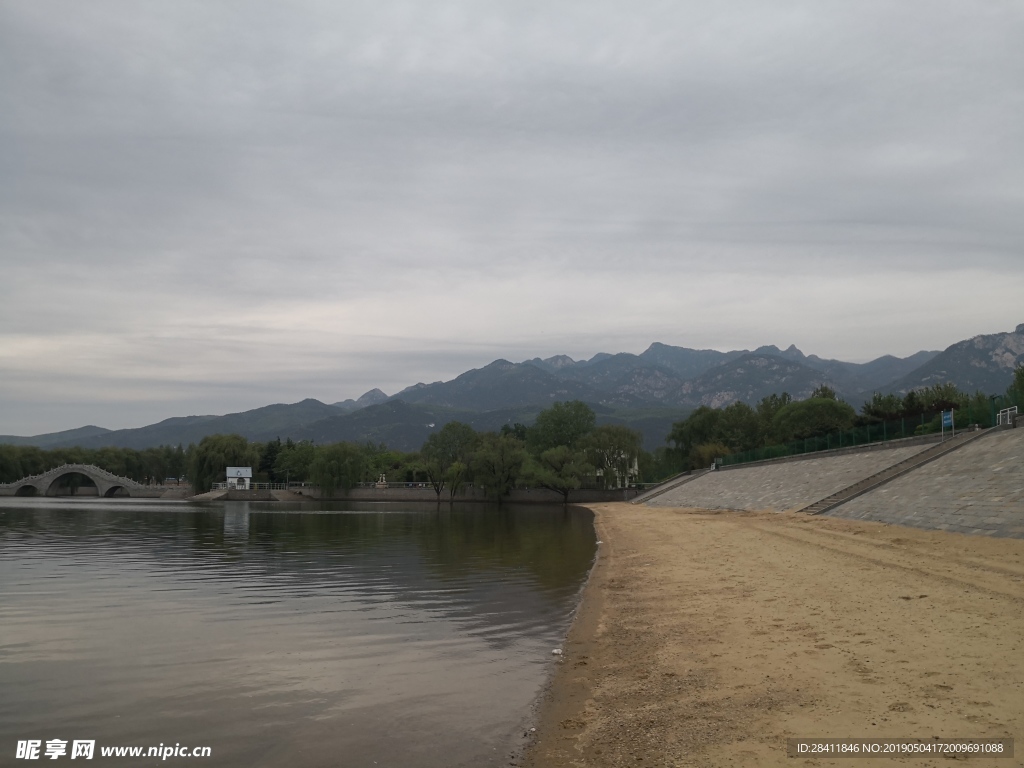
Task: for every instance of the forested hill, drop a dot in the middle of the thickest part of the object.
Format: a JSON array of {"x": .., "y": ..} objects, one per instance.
[
  {"x": 984, "y": 363},
  {"x": 648, "y": 392}
]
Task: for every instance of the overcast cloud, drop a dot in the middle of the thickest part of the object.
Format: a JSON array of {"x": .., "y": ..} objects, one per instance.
[{"x": 208, "y": 207}]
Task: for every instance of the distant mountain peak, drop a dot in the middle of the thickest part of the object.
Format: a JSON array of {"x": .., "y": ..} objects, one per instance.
[
  {"x": 501, "y": 364},
  {"x": 560, "y": 361},
  {"x": 666, "y": 378},
  {"x": 984, "y": 363},
  {"x": 413, "y": 388},
  {"x": 552, "y": 364},
  {"x": 373, "y": 397},
  {"x": 792, "y": 352}
]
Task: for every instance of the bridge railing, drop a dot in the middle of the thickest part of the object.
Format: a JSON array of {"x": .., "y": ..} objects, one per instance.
[
  {"x": 256, "y": 487},
  {"x": 88, "y": 468}
]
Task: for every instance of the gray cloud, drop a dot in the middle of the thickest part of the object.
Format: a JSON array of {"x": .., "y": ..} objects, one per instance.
[{"x": 207, "y": 207}]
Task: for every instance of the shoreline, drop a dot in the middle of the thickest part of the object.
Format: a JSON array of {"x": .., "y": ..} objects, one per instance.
[
  {"x": 708, "y": 638},
  {"x": 565, "y": 694}
]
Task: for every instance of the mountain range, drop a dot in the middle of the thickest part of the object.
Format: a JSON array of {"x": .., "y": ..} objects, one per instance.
[{"x": 648, "y": 392}]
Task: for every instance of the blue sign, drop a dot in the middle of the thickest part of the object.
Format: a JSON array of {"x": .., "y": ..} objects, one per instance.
[{"x": 947, "y": 418}]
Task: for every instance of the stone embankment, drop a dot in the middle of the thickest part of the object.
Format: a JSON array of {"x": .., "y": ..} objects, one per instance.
[
  {"x": 517, "y": 496},
  {"x": 973, "y": 485},
  {"x": 977, "y": 489},
  {"x": 419, "y": 494},
  {"x": 785, "y": 485},
  {"x": 254, "y": 495}
]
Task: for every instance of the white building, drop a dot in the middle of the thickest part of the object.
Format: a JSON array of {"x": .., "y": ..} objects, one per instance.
[{"x": 239, "y": 478}]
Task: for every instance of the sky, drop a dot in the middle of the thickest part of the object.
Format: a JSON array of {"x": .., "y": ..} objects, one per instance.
[{"x": 210, "y": 207}]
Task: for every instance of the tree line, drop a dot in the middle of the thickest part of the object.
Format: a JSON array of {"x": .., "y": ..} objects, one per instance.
[
  {"x": 562, "y": 451},
  {"x": 149, "y": 465},
  {"x": 777, "y": 419}
]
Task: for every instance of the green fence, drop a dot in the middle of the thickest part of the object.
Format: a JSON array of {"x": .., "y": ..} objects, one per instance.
[{"x": 974, "y": 412}]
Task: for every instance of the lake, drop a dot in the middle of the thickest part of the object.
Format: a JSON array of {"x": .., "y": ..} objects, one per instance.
[{"x": 276, "y": 634}]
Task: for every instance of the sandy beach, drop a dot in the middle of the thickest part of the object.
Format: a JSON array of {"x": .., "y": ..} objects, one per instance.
[{"x": 708, "y": 639}]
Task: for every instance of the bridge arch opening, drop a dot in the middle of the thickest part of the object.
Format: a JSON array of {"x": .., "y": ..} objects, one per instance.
[
  {"x": 73, "y": 484},
  {"x": 116, "y": 491},
  {"x": 27, "y": 490}
]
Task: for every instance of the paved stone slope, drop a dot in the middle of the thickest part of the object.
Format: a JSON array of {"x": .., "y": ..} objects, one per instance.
[
  {"x": 782, "y": 486},
  {"x": 977, "y": 489}
]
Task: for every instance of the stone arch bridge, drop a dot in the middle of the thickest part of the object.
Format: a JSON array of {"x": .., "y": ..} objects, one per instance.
[{"x": 48, "y": 483}]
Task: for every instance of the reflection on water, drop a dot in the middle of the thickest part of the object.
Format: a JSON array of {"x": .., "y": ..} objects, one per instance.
[{"x": 341, "y": 636}]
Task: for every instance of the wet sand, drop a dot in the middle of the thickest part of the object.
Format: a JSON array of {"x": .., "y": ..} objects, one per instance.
[{"x": 708, "y": 639}]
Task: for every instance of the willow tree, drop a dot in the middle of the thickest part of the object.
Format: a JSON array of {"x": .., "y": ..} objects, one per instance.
[
  {"x": 562, "y": 424},
  {"x": 340, "y": 465},
  {"x": 446, "y": 454},
  {"x": 559, "y": 469},
  {"x": 613, "y": 450},
  {"x": 498, "y": 463},
  {"x": 214, "y": 454}
]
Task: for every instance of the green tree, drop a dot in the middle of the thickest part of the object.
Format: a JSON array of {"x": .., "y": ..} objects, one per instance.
[
  {"x": 912, "y": 404},
  {"x": 214, "y": 454},
  {"x": 825, "y": 392},
  {"x": 660, "y": 464},
  {"x": 883, "y": 407},
  {"x": 381, "y": 460},
  {"x": 815, "y": 416},
  {"x": 738, "y": 427},
  {"x": 941, "y": 397},
  {"x": 517, "y": 430},
  {"x": 561, "y": 424},
  {"x": 559, "y": 469},
  {"x": 701, "y": 426},
  {"x": 1016, "y": 389},
  {"x": 766, "y": 410},
  {"x": 113, "y": 460},
  {"x": 10, "y": 464},
  {"x": 450, "y": 446},
  {"x": 268, "y": 457},
  {"x": 294, "y": 460},
  {"x": 613, "y": 450},
  {"x": 704, "y": 454},
  {"x": 458, "y": 474},
  {"x": 340, "y": 465},
  {"x": 497, "y": 464}
]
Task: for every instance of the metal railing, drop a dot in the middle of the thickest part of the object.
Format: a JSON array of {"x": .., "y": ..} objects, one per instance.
[
  {"x": 1007, "y": 417},
  {"x": 882, "y": 431},
  {"x": 389, "y": 485},
  {"x": 256, "y": 486}
]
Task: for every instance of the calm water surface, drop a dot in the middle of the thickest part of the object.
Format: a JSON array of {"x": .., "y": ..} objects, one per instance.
[{"x": 277, "y": 635}]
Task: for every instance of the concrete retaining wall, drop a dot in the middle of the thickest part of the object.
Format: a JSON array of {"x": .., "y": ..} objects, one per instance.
[
  {"x": 976, "y": 489},
  {"x": 136, "y": 493},
  {"x": 519, "y": 496},
  {"x": 787, "y": 485}
]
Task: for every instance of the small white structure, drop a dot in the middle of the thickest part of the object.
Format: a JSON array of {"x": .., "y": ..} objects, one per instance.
[{"x": 239, "y": 478}]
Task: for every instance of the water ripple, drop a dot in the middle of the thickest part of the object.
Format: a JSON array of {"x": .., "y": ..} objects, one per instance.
[{"x": 260, "y": 632}]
